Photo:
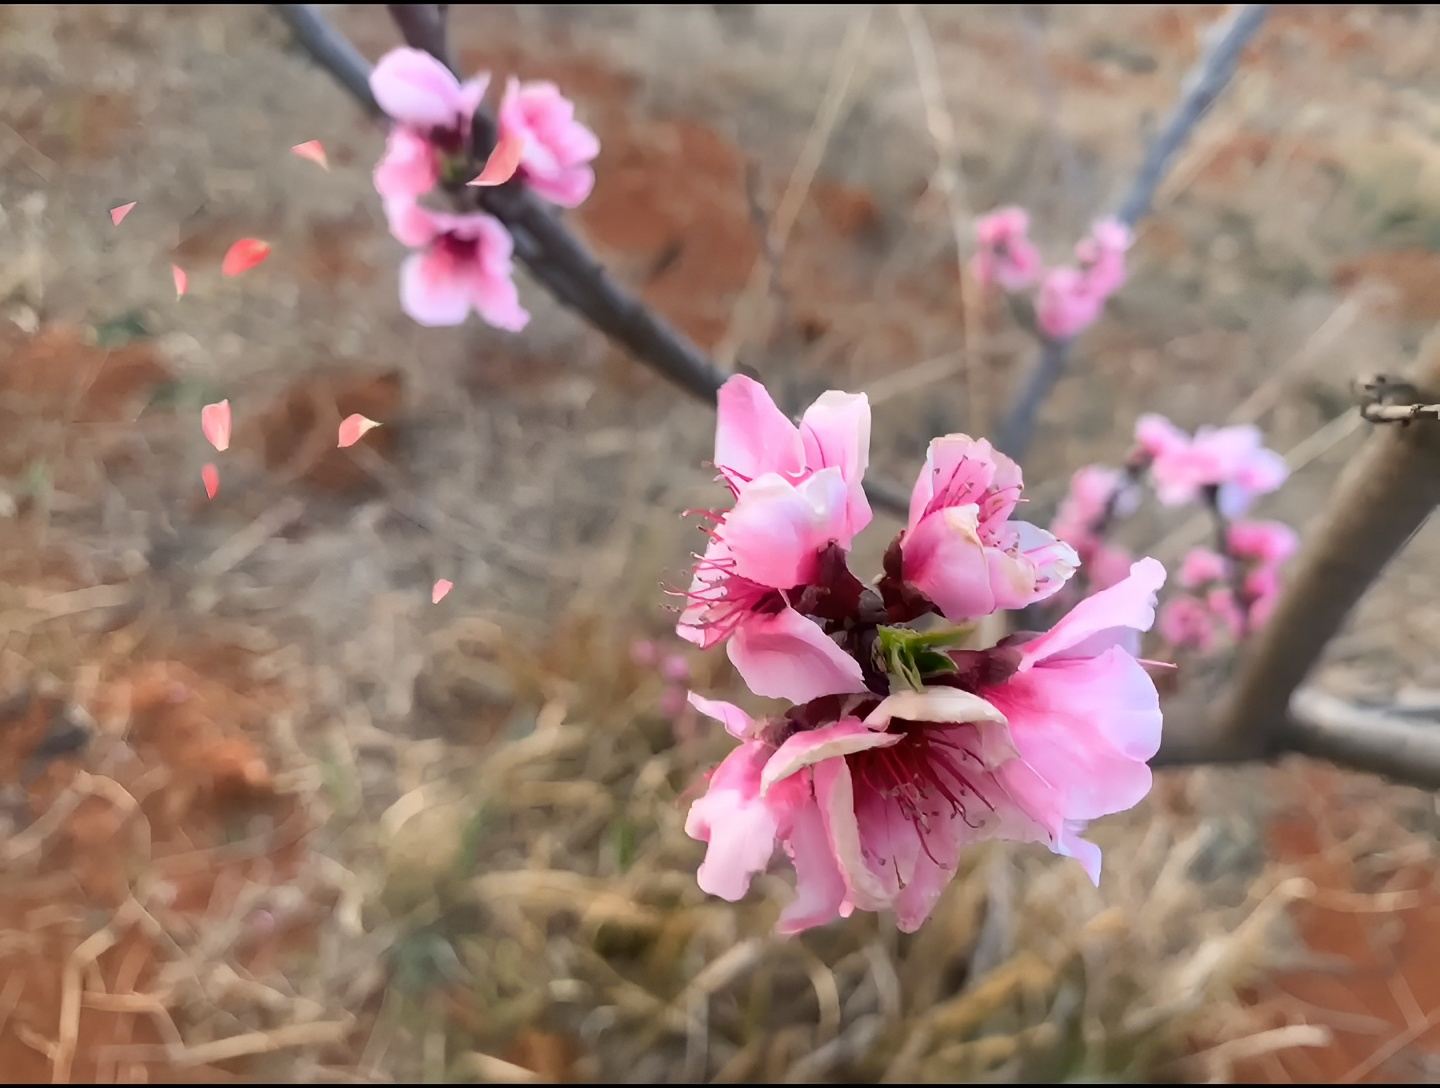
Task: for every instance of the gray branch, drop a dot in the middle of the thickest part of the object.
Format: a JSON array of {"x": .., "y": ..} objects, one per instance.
[
  {"x": 555, "y": 256},
  {"x": 1198, "y": 92}
]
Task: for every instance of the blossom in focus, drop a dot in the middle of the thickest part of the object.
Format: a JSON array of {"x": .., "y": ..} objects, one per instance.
[
  {"x": 433, "y": 113},
  {"x": 555, "y": 148},
  {"x": 463, "y": 263},
  {"x": 874, "y": 801},
  {"x": 1005, "y": 256},
  {"x": 960, "y": 548}
]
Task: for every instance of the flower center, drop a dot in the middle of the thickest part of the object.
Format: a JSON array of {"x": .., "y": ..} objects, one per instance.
[{"x": 921, "y": 776}]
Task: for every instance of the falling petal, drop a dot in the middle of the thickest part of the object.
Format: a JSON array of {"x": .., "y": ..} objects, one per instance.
[
  {"x": 442, "y": 587},
  {"x": 353, "y": 428},
  {"x": 117, "y": 215},
  {"x": 313, "y": 150},
  {"x": 503, "y": 161},
  {"x": 210, "y": 475},
  {"x": 182, "y": 281},
  {"x": 244, "y": 255},
  {"x": 215, "y": 422}
]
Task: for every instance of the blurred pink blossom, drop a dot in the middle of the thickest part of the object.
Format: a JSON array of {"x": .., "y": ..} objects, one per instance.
[
  {"x": 1005, "y": 256},
  {"x": 1231, "y": 460},
  {"x": 1201, "y": 567},
  {"x": 1187, "y": 624},
  {"x": 556, "y": 149},
  {"x": 463, "y": 263},
  {"x": 1068, "y": 303},
  {"x": 433, "y": 112}
]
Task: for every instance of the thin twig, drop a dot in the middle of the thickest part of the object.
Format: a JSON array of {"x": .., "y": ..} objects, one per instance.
[
  {"x": 423, "y": 26},
  {"x": 1399, "y": 413},
  {"x": 1198, "y": 92},
  {"x": 555, "y": 256}
]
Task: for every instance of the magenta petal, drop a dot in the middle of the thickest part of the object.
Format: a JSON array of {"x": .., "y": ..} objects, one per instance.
[
  {"x": 414, "y": 88},
  {"x": 810, "y": 746},
  {"x": 752, "y": 436},
  {"x": 786, "y": 656}
]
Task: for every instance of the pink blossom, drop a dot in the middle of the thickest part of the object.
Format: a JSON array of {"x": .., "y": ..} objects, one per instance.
[
  {"x": 1262, "y": 592},
  {"x": 464, "y": 263},
  {"x": 960, "y": 548},
  {"x": 1068, "y": 303},
  {"x": 1201, "y": 567},
  {"x": 557, "y": 148},
  {"x": 1096, "y": 493},
  {"x": 763, "y": 552},
  {"x": 1269, "y": 542},
  {"x": 644, "y": 652},
  {"x": 875, "y": 811},
  {"x": 1158, "y": 437},
  {"x": 433, "y": 112},
  {"x": 1084, "y": 717},
  {"x": 1102, "y": 255},
  {"x": 1186, "y": 623},
  {"x": 1231, "y": 460},
  {"x": 675, "y": 668},
  {"x": 1005, "y": 255},
  {"x": 753, "y": 437}
]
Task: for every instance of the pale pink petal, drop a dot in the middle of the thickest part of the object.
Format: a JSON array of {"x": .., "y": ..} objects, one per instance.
[
  {"x": 960, "y": 470},
  {"x": 945, "y": 704},
  {"x": 414, "y": 88},
  {"x": 738, "y": 825},
  {"x": 353, "y": 428},
  {"x": 497, "y": 300},
  {"x": 1071, "y": 845},
  {"x": 313, "y": 150},
  {"x": 182, "y": 281},
  {"x": 431, "y": 291},
  {"x": 472, "y": 93},
  {"x": 835, "y": 795},
  {"x": 504, "y": 160},
  {"x": 736, "y": 722},
  {"x": 215, "y": 423},
  {"x": 440, "y": 589},
  {"x": 409, "y": 168},
  {"x": 244, "y": 255},
  {"x": 1100, "y": 619},
  {"x": 836, "y": 433},
  {"x": 752, "y": 435},
  {"x": 118, "y": 214},
  {"x": 944, "y": 558},
  {"x": 786, "y": 656},
  {"x": 210, "y": 477},
  {"x": 810, "y": 746},
  {"x": 819, "y": 884},
  {"x": 776, "y": 529},
  {"x": 1185, "y": 622},
  {"x": 568, "y": 187},
  {"x": 1201, "y": 566},
  {"x": 1262, "y": 541},
  {"x": 1158, "y": 437}
]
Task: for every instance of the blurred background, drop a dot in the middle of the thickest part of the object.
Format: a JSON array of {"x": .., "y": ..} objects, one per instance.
[{"x": 266, "y": 812}]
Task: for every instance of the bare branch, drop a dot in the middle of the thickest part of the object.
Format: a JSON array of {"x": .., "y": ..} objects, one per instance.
[
  {"x": 423, "y": 26},
  {"x": 555, "y": 256},
  {"x": 1383, "y": 497},
  {"x": 1198, "y": 92},
  {"x": 1399, "y": 413}
]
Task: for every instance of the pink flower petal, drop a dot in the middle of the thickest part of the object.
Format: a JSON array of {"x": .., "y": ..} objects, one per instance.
[
  {"x": 777, "y": 529},
  {"x": 442, "y": 586},
  {"x": 414, "y": 88},
  {"x": 810, "y": 746},
  {"x": 500, "y": 167},
  {"x": 736, "y": 722},
  {"x": 313, "y": 150},
  {"x": 752, "y": 435},
  {"x": 244, "y": 255},
  {"x": 118, "y": 214},
  {"x": 182, "y": 281},
  {"x": 1103, "y": 619},
  {"x": 210, "y": 477},
  {"x": 353, "y": 428},
  {"x": 215, "y": 423},
  {"x": 786, "y": 656},
  {"x": 819, "y": 884}
]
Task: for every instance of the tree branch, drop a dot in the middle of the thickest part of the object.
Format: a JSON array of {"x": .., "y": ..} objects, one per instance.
[
  {"x": 423, "y": 26},
  {"x": 556, "y": 258},
  {"x": 1198, "y": 91},
  {"x": 1385, "y": 494}
]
